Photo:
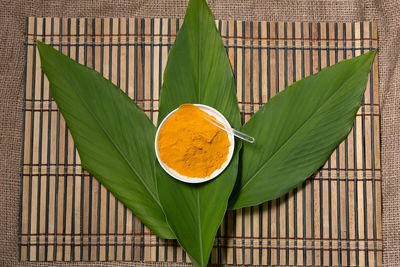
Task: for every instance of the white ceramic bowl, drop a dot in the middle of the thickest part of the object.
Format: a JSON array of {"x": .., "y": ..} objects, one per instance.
[{"x": 217, "y": 115}]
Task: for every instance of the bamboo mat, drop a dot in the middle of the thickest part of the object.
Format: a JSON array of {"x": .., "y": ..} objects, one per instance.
[{"x": 333, "y": 218}]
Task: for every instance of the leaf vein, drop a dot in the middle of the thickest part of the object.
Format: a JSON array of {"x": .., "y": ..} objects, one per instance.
[
  {"x": 199, "y": 223},
  {"x": 86, "y": 105}
]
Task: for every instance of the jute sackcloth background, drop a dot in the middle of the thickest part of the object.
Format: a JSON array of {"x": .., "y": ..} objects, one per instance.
[{"x": 12, "y": 23}]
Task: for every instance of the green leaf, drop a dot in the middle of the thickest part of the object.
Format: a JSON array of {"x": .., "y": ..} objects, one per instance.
[
  {"x": 298, "y": 129},
  {"x": 198, "y": 71},
  {"x": 195, "y": 211},
  {"x": 109, "y": 131}
]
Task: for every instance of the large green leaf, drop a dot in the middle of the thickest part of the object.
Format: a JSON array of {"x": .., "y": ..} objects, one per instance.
[
  {"x": 297, "y": 130},
  {"x": 198, "y": 71},
  {"x": 109, "y": 131}
]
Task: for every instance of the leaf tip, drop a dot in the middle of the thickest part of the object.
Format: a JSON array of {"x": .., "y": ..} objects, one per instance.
[
  {"x": 372, "y": 53},
  {"x": 39, "y": 44}
]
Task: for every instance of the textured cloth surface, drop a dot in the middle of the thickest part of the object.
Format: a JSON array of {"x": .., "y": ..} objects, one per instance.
[{"x": 13, "y": 14}]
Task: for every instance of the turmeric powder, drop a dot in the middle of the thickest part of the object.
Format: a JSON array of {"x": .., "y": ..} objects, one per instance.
[{"x": 191, "y": 145}]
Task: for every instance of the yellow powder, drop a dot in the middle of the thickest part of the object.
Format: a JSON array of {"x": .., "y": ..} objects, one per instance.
[{"x": 191, "y": 145}]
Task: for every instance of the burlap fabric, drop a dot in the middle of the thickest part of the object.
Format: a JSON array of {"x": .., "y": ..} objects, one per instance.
[{"x": 13, "y": 14}]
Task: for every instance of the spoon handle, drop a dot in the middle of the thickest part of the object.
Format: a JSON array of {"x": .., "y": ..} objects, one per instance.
[
  {"x": 230, "y": 130},
  {"x": 242, "y": 135}
]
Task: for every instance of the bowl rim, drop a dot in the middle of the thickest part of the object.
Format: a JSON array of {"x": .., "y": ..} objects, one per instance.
[{"x": 194, "y": 180}]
